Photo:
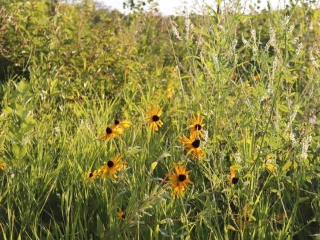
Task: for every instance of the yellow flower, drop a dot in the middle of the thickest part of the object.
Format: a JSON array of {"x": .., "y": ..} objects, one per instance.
[
  {"x": 270, "y": 162},
  {"x": 170, "y": 93},
  {"x": 121, "y": 215},
  {"x": 123, "y": 124},
  {"x": 281, "y": 216},
  {"x": 93, "y": 175},
  {"x": 193, "y": 146},
  {"x": 2, "y": 166},
  {"x": 196, "y": 126},
  {"x": 244, "y": 220},
  {"x": 111, "y": 167},
  {"x": 153, "y": 118},
  {"x": 233, "y": 179},
  {"x": 179, "y": 179},
  {"x": 245, "y": 217},
  {"x": 111, "y": 132}
]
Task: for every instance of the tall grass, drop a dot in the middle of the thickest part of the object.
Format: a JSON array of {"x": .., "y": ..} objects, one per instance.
[{"x": 253, "y": 77}]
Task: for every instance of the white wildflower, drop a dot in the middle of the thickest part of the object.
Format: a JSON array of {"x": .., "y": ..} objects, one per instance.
[
  {"x": 292, "y": 116},
  {"x": 244, "y": 41},
  {"x": 305, "y": 145},
  {"x": 298, "y": 50},
  {"x": 286, "y": 20},
  {"x": 175, "y": 31},
  {"x": 291, "y": 28},
  {"x": 189, "y": 26},
  {"x": 313, "y": 60},
  {"x": 313, "y": 119},
  {"x": 310, "y": 26},
  {"x": 253, "y": 35},
  {"x": 266, "y": 48},
  {"x": 293, "y": 139},
  {"x": 272, "y": 35},
  {"x": 237, "y": 157}
]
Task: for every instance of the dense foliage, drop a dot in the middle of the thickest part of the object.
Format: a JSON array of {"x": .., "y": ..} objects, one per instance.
[{"x": 68, "y": 71}]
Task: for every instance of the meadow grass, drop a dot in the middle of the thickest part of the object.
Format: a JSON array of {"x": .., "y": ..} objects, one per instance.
[{"x": 256, "y": 87}]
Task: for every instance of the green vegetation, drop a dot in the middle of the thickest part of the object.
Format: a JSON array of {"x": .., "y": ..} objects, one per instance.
[{"x": 68, "y": 71}]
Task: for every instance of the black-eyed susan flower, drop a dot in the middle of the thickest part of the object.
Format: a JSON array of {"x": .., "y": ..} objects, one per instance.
[
  {"x": 233, "y": 178},
  {"x": 2, "y": 166},
  {"x": 197, "y": 126},
  {"x": 179, "y": 179},
  {"x": 153, "y": 118},
  {"x": 111, "y": 132},
  {"x": 193, "y": 146},
  {"x": 121, "y": 215},
  {"x": 93, "y": 175},
  {"x": 123, "y": 124},
  {"x": 111, "y": 167}
]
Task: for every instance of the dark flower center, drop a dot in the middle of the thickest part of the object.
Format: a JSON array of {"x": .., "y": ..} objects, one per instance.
[
  {"x": 90, "y": 175},
  {"x": 198, "y": 127},
  {"x": 182, "y": 177},
  {"x": 116, "y": 122},
  {"x": 110, "y": 164},
  {"x": 109, "y": 130},
  {"x": 123, "y": 216},
  {"x": 196, "y": 143},
  {"x": 234, "y": 180},
  {"x": 155, "y": 118}
]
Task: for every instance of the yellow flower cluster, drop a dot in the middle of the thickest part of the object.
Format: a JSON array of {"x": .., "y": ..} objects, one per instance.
[
  {"x": 114, "y": 130},
  {"x": 194, "y": 141},
  {"x": 178, "y": 177},
  {"x": 114, "y": 164}
]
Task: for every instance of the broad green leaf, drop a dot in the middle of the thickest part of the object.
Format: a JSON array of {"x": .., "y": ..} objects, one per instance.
[
  {"x": 133, "y": 150},
  {"x": 28, "y": 124},
  {"x": 19, "y": 151},
  {"x": 23, "y": 87},
  {"x": 7, "y": 110},
  {"x": 286, "y": 166},
  {"x": 271, "y": 168}
]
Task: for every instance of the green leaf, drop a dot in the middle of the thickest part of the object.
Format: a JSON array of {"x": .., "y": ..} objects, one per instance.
[
  {"x": 164, "y": 155},
  {"x": 230, "y": 227},
  {"x": 19, "y": 151},
  {"x": 283, "y": 108},
  {"x": 301, "y": 200},
  {"x": 133, "y": 150},
  {"x": 23, "y": 88},
  {"x": 153, "y": 165},
  {"x": 7, "y": 110},
  {"x": 21, "y": 113},
  {"x": 164, "y": 232},
  {"x": 286, "y": 166},
  {"x": 28, "y": 124},
  {"x": 100, "y": 227}
]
